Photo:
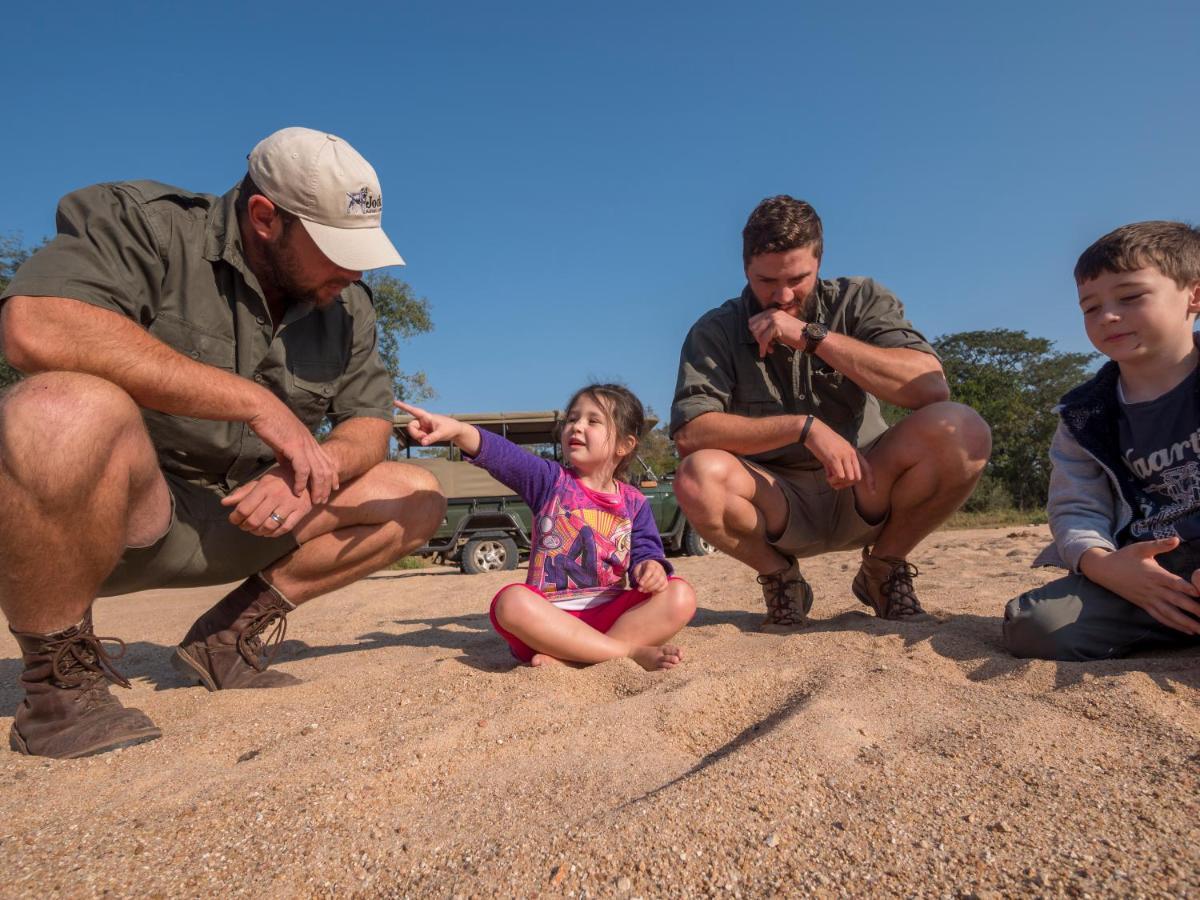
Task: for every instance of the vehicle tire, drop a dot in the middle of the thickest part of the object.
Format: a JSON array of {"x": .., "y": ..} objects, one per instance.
[
  {"x": 489, "y": 554},
  {"x": 694, "y": 545}
]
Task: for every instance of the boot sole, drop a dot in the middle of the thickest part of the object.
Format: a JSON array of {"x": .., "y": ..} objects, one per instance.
[
  {"x": 190, "y": 669},
  {"x": 17, "y": 743}
]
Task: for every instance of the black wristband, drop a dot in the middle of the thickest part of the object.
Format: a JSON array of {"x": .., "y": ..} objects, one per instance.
[{"x": 807, "y": 427}]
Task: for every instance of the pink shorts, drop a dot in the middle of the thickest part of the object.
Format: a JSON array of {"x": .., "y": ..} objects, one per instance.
[{"x": 602, "y": 617}]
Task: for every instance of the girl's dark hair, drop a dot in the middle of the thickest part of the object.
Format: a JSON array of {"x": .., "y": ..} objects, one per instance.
[{"x": 625, "y": 414}]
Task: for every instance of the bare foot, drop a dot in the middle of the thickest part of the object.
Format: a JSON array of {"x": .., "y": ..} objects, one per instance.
[
  {"x": 651, "y": 658},
  {"x": 545, "y": 659}
]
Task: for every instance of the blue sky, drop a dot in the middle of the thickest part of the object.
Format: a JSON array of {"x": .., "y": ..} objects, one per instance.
[{"x": 568, "y": 182}]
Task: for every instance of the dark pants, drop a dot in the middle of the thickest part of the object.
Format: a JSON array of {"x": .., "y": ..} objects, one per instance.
[{"x": 1076, "y": 619}]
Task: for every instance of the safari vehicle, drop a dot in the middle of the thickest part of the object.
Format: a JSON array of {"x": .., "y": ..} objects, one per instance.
[{"x": 488, "y": 527}]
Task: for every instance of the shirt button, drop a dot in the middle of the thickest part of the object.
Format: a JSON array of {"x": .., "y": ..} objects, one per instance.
[
  {"x": 259, "y": 378},
  {"x": 195, "y": 354},
  {"x": 260, "y": 320}
]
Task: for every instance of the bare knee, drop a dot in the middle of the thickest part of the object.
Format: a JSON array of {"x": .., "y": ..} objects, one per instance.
[
  {"x": 948, "y": 432},
  {"x": 66, "y": 401},
  {"x": 404, "y": 493},
  {"x": 515, "y": 604},
  {"x": 962, "y": 427},
  {"x": 70, "y": 424},
  {"x": 681, "y": 601},
  {"x": 701, "y": 477}
]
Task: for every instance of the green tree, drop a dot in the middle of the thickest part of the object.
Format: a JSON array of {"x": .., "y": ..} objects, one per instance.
[
  {"x": 1014, "y": 381},
  {"x": 401, "y": 315},
  {"x": 12, "y": 254},
  {"x": 658, "y": 451}
]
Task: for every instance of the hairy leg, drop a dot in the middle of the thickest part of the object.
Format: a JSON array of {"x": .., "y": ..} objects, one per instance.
[
  {"x": 555, "y": 634},
  {"x": 733, "y": 506},
  {"x": 925, "y": 467},
  {"x": 79, "y": 481},
  {"x": 371, "y": 522}
]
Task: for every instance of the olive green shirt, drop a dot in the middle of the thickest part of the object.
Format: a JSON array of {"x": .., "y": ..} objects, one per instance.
[
  {"x": 720, "y": 370},
  {"x": 172, "y": 261}
]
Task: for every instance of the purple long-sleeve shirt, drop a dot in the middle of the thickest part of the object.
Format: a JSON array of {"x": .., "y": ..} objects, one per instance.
[{"x": 585, "y": 543}]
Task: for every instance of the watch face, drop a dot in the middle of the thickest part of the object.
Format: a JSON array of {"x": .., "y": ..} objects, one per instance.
[{"x": 814, "y": 333}]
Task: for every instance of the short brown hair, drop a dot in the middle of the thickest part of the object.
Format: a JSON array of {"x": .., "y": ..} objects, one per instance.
[
  {"x": 779, "y": 224},
  {"x": 1171, "y": 247},
  {"x": 626, "y": 415}
]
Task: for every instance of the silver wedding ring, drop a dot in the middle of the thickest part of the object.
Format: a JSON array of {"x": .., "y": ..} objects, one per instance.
[{"x": 277, "y": 517}]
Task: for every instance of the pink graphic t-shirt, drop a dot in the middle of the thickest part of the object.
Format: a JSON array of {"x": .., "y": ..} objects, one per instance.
[{"x": 584, "y": 543}]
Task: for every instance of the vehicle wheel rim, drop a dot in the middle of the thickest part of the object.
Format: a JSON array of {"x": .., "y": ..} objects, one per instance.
[
  {"x": 706, "y": 546},
  {"x": 490, "y": 556}
]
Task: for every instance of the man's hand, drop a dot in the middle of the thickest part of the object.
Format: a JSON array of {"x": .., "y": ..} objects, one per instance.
[
  {"x": 650, "y": 576},
  {"x": 295, "y": 447},
  {"x": 773, "y": 326},
  {"x": 268, "y": 506},
  {"x": 844, "y": 464},
  {"x": 1134, "y": 573}
]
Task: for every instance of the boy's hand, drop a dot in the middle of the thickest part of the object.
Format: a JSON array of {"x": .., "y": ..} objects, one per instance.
[
  {"x": 428, "y": 428},
  {"x": 1134, "y": 573},
  {"x": 650, "y": 576},
  {"x": 844, "y": 465}
]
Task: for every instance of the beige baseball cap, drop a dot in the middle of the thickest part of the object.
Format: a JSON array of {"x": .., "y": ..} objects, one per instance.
[{"x": 332, "y": 189}]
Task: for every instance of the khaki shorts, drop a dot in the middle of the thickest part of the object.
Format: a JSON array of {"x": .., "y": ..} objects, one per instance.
[
  {"x": 820, "y": 519},
  {"x": 201, "y": 547}
]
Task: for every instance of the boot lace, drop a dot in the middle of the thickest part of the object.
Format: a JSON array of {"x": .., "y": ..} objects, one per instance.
[
  {"x": 898, "y": 591},
  {"x": 254, "y": 647},
  {"x": 81, "y": 657},
  {"x": 786, "y": 598}
]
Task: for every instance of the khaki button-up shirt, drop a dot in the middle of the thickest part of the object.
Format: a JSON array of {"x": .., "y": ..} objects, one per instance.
[
  {"x": 720, "y": 369},
  {"x": 172, "y": 261}
]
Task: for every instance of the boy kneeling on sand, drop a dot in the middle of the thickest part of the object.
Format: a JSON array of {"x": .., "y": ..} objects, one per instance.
[{"x": 1124, "y": 503}]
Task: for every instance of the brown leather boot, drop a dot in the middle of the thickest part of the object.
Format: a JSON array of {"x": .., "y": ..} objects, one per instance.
[
  {"x": 884, "y": 583},
  {"x": 67, "y": 711},
  {"x": 788, "y": 598},
  {"x": 224, "y": 649}
]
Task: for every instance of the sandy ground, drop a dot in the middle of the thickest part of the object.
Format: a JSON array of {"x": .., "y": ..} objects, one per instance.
[{"x": 855, "y": 757}]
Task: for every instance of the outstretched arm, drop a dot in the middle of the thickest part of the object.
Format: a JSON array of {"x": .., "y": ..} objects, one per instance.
[{"x": 428, "y": 428}]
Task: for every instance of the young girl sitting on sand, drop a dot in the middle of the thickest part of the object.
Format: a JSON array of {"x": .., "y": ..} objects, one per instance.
[{"x": 590, "y": 530}]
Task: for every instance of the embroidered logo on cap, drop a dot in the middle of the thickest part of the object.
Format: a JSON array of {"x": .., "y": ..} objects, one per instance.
[{"x": 363, "y": 202}]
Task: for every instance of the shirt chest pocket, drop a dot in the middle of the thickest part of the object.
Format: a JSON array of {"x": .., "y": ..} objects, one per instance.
[
  {"x": 194, "y": 342},
  {"x": 839, "y": 397},
  {"x": 312, "y": 385}
]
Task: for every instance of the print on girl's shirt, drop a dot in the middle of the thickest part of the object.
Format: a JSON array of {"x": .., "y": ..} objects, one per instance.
[{"x": 581, "y": 549}]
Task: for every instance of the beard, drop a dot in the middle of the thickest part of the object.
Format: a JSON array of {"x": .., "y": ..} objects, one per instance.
[{"x": 281, "y": 265}]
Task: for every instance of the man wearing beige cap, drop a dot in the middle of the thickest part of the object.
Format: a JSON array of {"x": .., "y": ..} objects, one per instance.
[{"x": 182, "y": 350}]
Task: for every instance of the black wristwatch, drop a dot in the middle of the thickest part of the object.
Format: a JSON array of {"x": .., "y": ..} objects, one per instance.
[{"x": 814, "y": 333}]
